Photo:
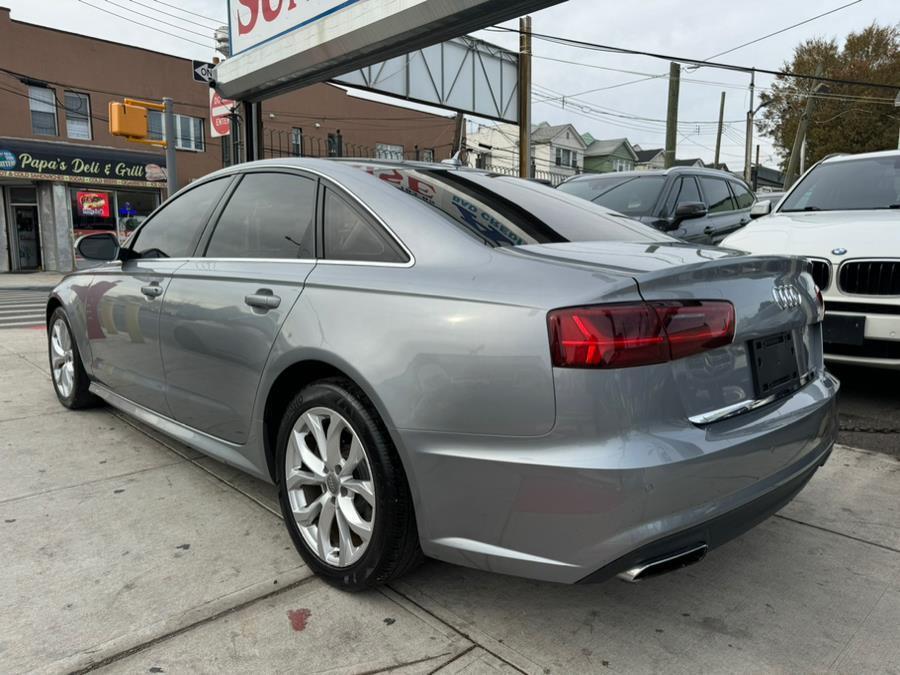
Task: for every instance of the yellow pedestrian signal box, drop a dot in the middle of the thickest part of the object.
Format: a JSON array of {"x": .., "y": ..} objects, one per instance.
[{"x": 127, "y": 120}]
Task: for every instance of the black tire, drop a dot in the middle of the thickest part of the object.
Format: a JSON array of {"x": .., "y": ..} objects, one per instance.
[
  {"x": 393, "y": 549},
  {"x": 79, "y": 397}
]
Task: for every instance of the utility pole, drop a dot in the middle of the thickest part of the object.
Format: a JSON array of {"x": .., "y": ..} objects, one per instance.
[
  {"x": 459, "y": 139},
  {"x": 793, "y": 167},
  {"x": 171, "y": 135},
  {"x": 672, "y": 113},
  {"x": 749, "y": 132},
  {"x": 525, "y": 97},
  {"x": 756, "y": 173},
  {"x": 719, "y": 133}
]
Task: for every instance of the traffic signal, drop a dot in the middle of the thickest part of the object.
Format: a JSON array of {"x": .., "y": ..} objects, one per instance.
[{"x": 127, "y": 120}]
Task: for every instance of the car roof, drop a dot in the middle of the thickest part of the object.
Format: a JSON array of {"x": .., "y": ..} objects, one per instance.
[
  {"x": 675, "y": 170},
  {"x": 863, "y": 155}
]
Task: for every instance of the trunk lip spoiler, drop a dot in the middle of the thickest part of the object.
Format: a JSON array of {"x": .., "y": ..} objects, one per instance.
[{"x": 747, "y": 405}]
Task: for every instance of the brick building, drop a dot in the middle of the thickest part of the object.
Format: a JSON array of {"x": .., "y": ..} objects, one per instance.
[{"x": 62, "y": 174}]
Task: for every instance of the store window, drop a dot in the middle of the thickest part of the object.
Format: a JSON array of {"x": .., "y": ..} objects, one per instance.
[
  {"x": 189, "y": 131},
  {"x": 78, "y": 115},
  {"x": 103, "y": 210},
  {"x": 42, "y": 102}
]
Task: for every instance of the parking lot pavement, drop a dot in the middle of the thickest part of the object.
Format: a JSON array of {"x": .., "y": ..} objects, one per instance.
[{"x": 127, "y": 552}]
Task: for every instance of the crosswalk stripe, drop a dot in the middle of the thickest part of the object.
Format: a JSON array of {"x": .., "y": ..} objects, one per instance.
[
  {"x": 21, "y": 324},
  {"x": 21, "y": 309}
]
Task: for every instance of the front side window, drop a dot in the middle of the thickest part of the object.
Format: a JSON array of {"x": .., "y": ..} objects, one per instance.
[
  {"x": 742, "y": 196},
  {"x": 78, "y": 115},
  {"x": 42, "y": 102},
  {"x": 684, "y": 191},
  {"x": 350, "y": 236},
  {"x": 848, "y": 185},
  {"x": 718, "y": 198},
  {"x": 174, "y": 230},
  {"x": 632, "y": 196},
  {"x": 270, "y": 215}
]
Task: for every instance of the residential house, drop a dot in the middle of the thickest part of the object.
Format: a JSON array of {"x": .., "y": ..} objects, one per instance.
[
  {"x": 694, "y": 161},
  {"x": 559, "y": 149},
  {"x": 652, "y": 158},
  {"x": 613, "y": 155},
  {"x": 557, "y": 152}
]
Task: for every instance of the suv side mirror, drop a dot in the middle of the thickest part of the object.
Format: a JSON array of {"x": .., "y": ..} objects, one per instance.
[
  {"x": 689, "y": 210},
  {"x": 760, "y": 209},
  {"x": 103, "y": 247}
]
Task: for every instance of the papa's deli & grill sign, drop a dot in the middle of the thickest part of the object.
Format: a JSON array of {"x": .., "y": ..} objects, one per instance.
[{"x": 59, "y": 161}]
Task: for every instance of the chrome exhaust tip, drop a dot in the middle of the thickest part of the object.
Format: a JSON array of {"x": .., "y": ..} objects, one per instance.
[{"x": 669, "y": 563}]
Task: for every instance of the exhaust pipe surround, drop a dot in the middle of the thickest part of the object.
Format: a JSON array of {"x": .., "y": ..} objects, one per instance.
[{"x": 669, "y": 563}]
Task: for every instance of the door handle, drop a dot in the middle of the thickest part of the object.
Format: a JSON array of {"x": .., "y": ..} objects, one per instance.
[
  {"x": 153, "y": 290},
  {"x": 708, "y": 230},
  {"x": 263, "y": 299}
]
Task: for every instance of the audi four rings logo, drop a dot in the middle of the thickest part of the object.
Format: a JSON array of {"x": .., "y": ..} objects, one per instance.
[{"x": 787, "y": 296}]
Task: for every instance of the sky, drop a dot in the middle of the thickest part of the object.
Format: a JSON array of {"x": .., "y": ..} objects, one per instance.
[{"x": 697, "y": 29}]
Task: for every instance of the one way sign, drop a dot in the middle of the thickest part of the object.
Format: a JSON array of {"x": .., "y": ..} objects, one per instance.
[{"x": 203, "y": 71}]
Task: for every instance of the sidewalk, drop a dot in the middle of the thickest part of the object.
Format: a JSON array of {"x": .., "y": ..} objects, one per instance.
[
  {"x": 29, "y": 281},
  {"x": 126, "y": 552}
]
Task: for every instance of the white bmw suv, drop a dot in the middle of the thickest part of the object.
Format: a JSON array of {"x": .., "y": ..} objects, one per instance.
[{"x": 844, "y": 215}]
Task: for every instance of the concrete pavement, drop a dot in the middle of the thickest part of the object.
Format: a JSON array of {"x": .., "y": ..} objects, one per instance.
[{"x": 126, "y": 552}]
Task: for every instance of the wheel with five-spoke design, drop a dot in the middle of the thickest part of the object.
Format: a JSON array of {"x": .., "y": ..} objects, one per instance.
[
  {"x": 67, "y": 372},
  {"x": 342, "y": 488}
]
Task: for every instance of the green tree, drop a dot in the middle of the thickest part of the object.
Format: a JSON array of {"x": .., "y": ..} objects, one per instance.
[{"x": 846, "y": 118}]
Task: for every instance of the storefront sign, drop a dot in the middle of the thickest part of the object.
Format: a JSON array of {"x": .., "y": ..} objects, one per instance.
[
  {"x": 93, "y": 204},
  {"x": 35, "y": 160}
]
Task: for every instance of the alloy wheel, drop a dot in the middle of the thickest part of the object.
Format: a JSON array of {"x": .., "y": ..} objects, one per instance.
[
  {"x": 62, "y": 358},
  {"x": 329, "y": 486}
]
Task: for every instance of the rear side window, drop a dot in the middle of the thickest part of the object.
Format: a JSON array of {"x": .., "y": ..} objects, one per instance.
[
  {"x": 718, "y": 198},
  {"x": 742, "y": 196},
  {"x": 270, "y": 215},
  {"x": 350, "y": 236},
  {"x": 174, "y": 230}
]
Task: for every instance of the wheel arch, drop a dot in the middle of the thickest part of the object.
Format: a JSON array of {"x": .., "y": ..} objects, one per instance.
[{"x": 291, "y": 378}]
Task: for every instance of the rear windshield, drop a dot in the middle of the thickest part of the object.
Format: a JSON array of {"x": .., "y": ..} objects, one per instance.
[
  {"x": 506, "y": 211},
  {"x": 849, "y": 185},
  {"x": 634, "y": 196}
]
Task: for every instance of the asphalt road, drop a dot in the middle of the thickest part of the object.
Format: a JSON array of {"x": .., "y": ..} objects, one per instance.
[{"x": 869, "y": 408}]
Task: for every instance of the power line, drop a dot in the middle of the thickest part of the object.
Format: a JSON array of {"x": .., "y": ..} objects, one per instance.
[
  {"x": 187, "y": 11},
  {"x": 593, "y": 46},
  {"x": 784, "y": 30},
  {"x": 144, "y": 25},
  {"x": 175, "y": 16},
  {"x": 153, "y": 18}
]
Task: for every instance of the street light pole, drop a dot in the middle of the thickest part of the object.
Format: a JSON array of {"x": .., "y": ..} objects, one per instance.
[
  {"x": 748, "y": 157},
  {"x": 169, "y": 126},
  {"x": 525, "y": 97}
]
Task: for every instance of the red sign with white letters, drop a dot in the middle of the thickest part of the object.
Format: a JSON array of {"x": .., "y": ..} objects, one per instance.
[{"x": 219, "y": 114}]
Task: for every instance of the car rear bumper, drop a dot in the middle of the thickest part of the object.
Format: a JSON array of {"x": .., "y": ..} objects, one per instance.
[{"x": 565, "y": 508}]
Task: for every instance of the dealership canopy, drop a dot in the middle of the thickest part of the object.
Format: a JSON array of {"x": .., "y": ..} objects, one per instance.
[{"x": 278, "y": 45}]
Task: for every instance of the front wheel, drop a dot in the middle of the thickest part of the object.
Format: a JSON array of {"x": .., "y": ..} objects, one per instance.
[
  {"x": 342, "y": 490},
  {"x": 67, "y": 371}
]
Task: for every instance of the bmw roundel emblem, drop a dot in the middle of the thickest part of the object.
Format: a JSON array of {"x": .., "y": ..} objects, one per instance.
[{"x": 838, "y": 251}]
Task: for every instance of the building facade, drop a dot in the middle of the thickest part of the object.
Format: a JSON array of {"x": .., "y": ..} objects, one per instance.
[
  {"x": 616, "y": 154},
  {"x": 62, "y": 174}
]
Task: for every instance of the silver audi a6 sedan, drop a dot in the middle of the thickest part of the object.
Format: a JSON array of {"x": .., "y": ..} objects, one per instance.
[{"x": 442, "y": 361}]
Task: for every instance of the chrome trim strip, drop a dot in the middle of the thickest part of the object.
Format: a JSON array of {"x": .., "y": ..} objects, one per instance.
[
  {"x": 744, "y": 406},
  {"x": 153, "y": 418},
  {"x": 244, "y": 168}
]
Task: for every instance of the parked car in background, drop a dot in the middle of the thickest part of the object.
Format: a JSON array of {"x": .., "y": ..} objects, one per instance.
[
  {"x": 765, "y": 203},
  {"x": 690, "y": 203},
  {"x": 844, "y": 216},
  {"x": 481, "y": 368}
]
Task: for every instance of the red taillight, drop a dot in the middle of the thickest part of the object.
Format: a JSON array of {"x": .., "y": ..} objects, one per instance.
[{"x": 622, "y": 336}]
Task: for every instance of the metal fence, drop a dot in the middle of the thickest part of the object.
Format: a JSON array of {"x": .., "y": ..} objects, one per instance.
[
  {"x": 551, "y": 177},
  {"x": 278, "y": 143}
]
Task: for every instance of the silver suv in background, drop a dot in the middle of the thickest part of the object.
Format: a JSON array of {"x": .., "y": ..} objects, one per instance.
[{"x": 693, "y": 204}]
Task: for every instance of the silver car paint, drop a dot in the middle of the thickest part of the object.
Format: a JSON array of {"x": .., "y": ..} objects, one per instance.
[{"x": 514, "y": 466}]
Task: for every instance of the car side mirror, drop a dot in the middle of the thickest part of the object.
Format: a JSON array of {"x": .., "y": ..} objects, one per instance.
[
  {"x": 760, "y": 209},
  {"x": 687, "y": 211},
  {"x": 103, "y": 247}
]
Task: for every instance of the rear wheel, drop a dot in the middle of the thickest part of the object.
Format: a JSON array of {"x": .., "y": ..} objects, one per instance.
[
  {"x": 342, "y": 489},
  {"x": 66, "y": 369}
]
